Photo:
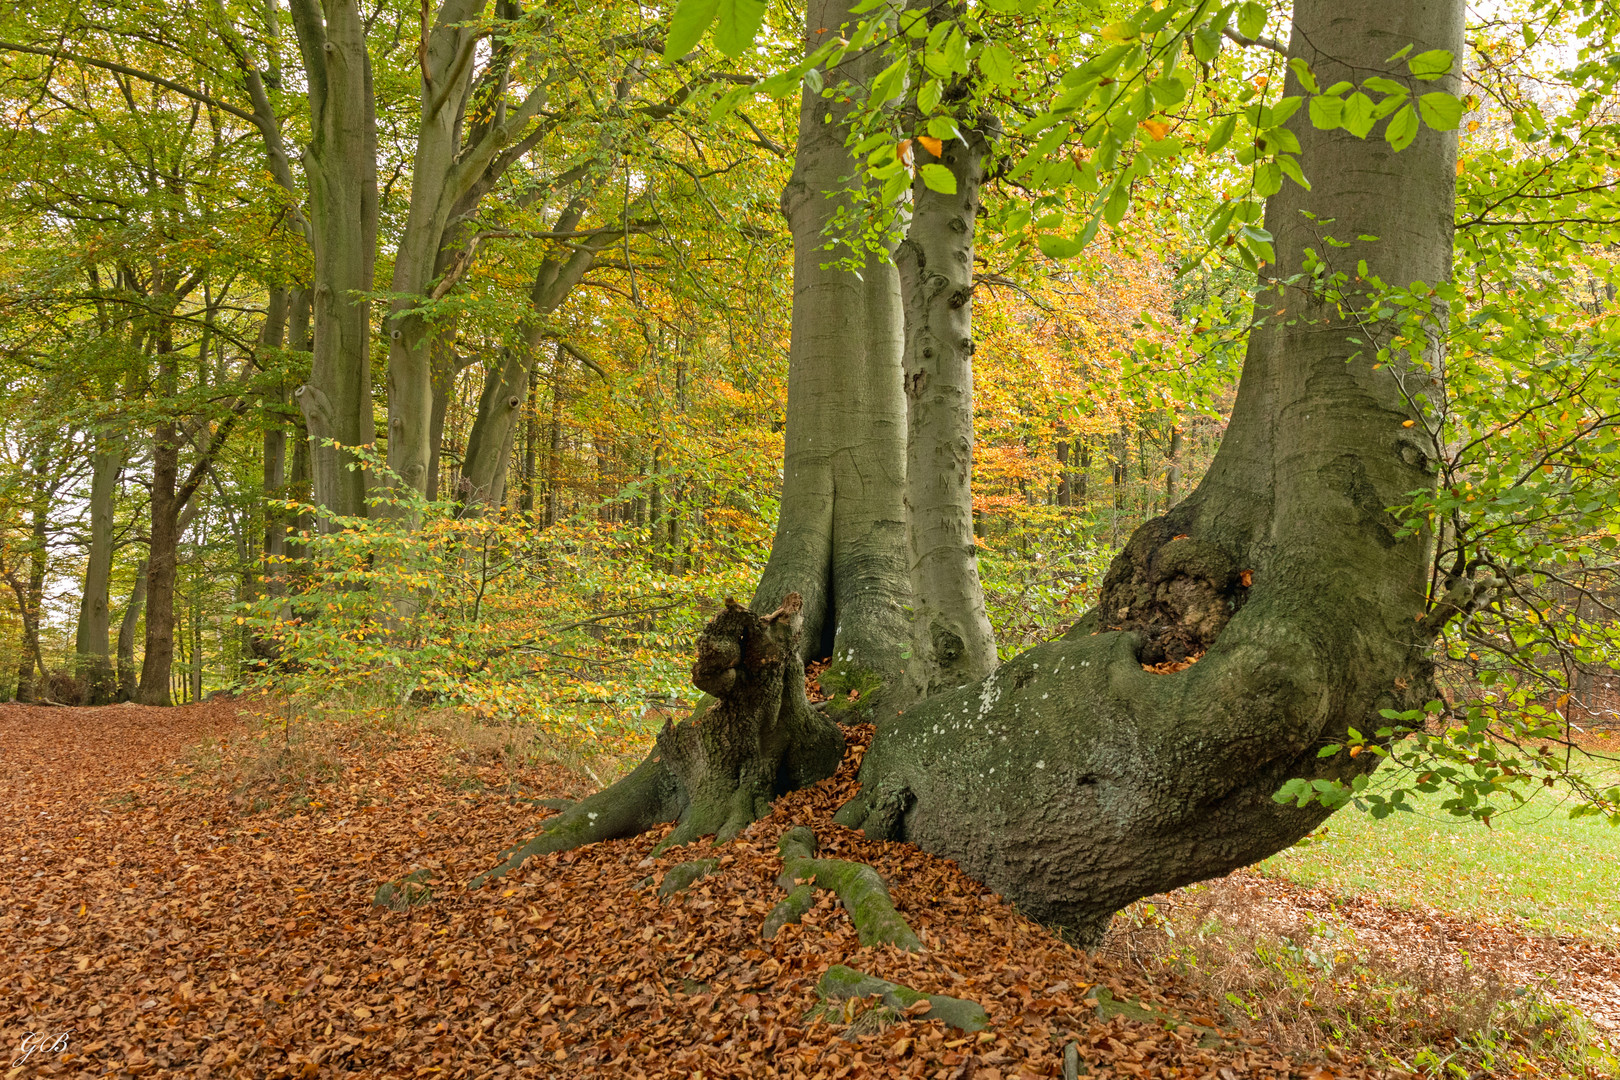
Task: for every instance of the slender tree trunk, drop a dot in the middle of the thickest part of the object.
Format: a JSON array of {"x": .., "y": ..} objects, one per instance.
[
  {"x": 1065, "y": 488},
  {"x": 489, "y": 444},
  {"x": 32, "y": 680},
  {"x": 1074, "y": 781},
  {"x": 530, "y": 422},
  {"x": 91, "y": 643},
  {"x": 841, "y": 535},
  {"x": 163, "y": 551},
  {"x": 275, "y": 455},
  {"x": 936, "y": 280},
  {"x": 1172, "y": 472},
  {"x": 554, "y": 456},
  {"x": 127, "y": 629}
]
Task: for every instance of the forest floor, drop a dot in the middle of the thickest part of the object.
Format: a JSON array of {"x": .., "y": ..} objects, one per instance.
[{"x": 183, "y": 893}]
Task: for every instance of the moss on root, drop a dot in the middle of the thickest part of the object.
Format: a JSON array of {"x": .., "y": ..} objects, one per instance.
[
  {"x": 860, "y": 888},
  {"x": 842, "y": 983},
  {"x": 683, "y": 876}
]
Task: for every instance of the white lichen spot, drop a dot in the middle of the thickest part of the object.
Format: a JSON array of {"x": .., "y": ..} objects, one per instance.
[
  {"x": 591, "y": 814},
  {"x": 1045, "y": 696},
  {"x": 1040, "y": 764}
]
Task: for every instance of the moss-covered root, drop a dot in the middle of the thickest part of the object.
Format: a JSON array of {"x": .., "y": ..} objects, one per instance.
[
  {"x": 800, "y": 899},
  {"x": 677, "y": 879},
  {"x": 861, "y": 889},
  {"x": 842, "y": 983},
  {"x": 647, "y": 797}
]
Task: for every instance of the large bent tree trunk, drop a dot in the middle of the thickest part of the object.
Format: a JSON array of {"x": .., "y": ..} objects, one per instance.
[
  {"x": 841, "y": 537},
  {"x": 1074, "y": 781}
]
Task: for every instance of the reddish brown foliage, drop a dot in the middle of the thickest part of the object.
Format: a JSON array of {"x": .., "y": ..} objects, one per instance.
[{"x": 176, "y": 932}]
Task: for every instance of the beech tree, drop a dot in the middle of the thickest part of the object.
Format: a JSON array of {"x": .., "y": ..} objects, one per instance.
[{"x": 1106, "y": 766}]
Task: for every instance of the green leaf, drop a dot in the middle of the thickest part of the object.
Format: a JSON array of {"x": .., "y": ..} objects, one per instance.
[
  {"x": 1118, "y": 202},
  {"x": 996, "y": 62},
  {"x": 1222, "y": 134},
  {"x": 686, "y": 26},
  {"x": 938, "y": 178},
  {"x": 1290, "y": 167},
  {"x": 1431, "y": 65},
  {"x": 1302, "y": 72},
  {"x": 1327, "y": 113},
  {"x": 1058, "y": 247},
  {"x": 1329, "y": 750},
  {"x": 1251, "y": 19},
  {"x": 1206, "y": 44},
  {"x": 1384, "y": 86},
  {"x": 738, "y": 25},
  {"x": 1402, "y": 129},
  {"x": 1441, "y": 111},
  {"x": 1358, "y": 114}
]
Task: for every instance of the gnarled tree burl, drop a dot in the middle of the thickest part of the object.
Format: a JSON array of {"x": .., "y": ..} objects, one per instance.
[{"x": 1073, "y": 781}]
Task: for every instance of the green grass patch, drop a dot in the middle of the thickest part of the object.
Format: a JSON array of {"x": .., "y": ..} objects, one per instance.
[{"x": 1533, "y": 865}]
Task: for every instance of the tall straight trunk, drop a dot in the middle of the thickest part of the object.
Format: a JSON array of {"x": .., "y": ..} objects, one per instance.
[
  {"x": 530, "y": 422},
  {"x": 1065, "y": 485},
  {"x": 935, "y": 262},
  {"x": 91, "y": 642},
  {"x": 127, "y": 629},
  {"x": 196, "y": 646},
  {"x": 489, "y": 443},
  {"x": 341, "y": 164},
  {"x": 445, "y": 369},
  {"x": 841, "y": 535},
  {"x": 32, "y": 683},
  {"x": 274, "y": 335},
  {"x": 1172, "y": 473},
  {"x": 163, "y": 551},
  {"x": 1081, "y": 780},
  {"x": 554, "y": 455}
]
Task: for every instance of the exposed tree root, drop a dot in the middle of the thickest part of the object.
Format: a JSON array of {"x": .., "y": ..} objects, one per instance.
[
  {"x": 752, "y": 738},
  {"x": 678, "y": 879},
  {"x": 842, "y": 983},
  {"x": 861, "y": 889}
]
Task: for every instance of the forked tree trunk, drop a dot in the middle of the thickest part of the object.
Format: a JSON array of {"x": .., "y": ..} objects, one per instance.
[
  {"x": 841, "y": 535},
  {"x": 1073, "y": 781},
  {"x": 952, "y": 631}
]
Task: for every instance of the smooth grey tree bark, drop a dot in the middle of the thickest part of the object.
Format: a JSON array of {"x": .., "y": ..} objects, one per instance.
[
  {"x": 128, "y": 625},
  {"x": 341, "y": 166},
  {"x": 92, "y": 640},
  {"x": 841, "y": 535},
  {"x": 935, "y": 261},
  {"x": 1074, "y": 781}
]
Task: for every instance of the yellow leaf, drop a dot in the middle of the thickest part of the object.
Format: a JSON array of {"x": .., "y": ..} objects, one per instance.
[
  {"x": 1120, "y": 31},
  {"x": 1407, "y": 423},
  {"x": 1157, "y": 129},
  {"x": 931, "y": 144}
]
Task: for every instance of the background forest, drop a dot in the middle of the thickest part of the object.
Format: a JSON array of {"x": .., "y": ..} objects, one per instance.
[
  {"x": 552, "y": 278},
  {"x": 154, "y": 331}
]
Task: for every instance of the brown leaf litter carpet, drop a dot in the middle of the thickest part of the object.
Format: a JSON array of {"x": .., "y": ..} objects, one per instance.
[{"x": 157, "y": 921}]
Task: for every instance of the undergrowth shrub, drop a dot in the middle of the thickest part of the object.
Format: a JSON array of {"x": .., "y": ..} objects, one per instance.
[{"x": 581, "y": 629}]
